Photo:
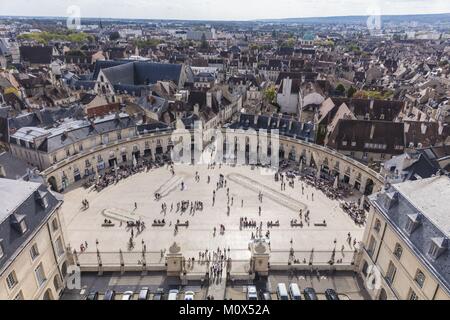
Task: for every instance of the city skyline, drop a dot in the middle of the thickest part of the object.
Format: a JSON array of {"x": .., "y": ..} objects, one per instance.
[{"x": 213, "y": 10}]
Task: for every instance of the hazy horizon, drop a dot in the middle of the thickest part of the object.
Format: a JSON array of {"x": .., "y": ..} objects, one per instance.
[{"x": 230, "y": 10}]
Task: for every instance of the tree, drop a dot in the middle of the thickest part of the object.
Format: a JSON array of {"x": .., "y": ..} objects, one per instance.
[
  {"x": 270, "y": 94},
  {"x": 114, "y": 36},
  {"x": 204, "y": 44},
  {"x": 350, "y": 92},
  {"x": 340, "y": 89}
]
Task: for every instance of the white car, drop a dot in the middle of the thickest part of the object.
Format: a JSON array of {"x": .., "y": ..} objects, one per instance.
[
  {"x": 189, "y": 295},
  {"x": 251, "y": 293},
  {"x": 127, "y": 295},
  {"x": 173, "y": 294}
]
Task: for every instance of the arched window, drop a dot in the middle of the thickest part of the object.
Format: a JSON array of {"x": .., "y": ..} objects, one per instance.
[{"x": 57, "y": 283}]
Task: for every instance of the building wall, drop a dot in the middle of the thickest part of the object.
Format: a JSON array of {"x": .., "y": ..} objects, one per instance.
[
  {"x": 24, "y": 267},
  {"x": 407, "y": 266}
]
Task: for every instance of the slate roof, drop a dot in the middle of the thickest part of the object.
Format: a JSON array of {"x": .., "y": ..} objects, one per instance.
[
  {"x": 36, "y": 55},
  {"x": 141, "y": 73},
  {"x": 285, "y": 125},
  {"x": 19, "y": 200},
  {"x": 360, "y": 131},
  {"x": 429, "y": 198}
]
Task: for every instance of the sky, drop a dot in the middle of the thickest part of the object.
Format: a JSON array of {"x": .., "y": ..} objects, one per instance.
[{"x": 220, "y": 9}]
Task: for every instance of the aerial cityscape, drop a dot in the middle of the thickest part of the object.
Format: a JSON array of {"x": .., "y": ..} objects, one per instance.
[{"x": 238, "y": 150}]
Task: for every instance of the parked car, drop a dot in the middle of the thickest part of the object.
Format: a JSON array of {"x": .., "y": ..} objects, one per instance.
[
  {"x": 173, "y": 294},
  {"x": 265, "y": 295},
  {"x": 109, "y": 295},
  {"x": 189, "y": 295},
  {"x": 310, "y": 294},
  {"x": 127, "y": 295},
  {"x": 294, "y": 291},
  {"x": 159, "y": 294},
  {"x": 143, "y": 294},
  {"x": 93, "y": 295},
  {"x": 282, "y": 293},
  {"x": 330, "y": 294},
  {"x": 252, "y": 293}
]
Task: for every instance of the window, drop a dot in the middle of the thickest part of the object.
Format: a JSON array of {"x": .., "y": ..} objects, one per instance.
[
  {"x": 34, "y": 252},
  {"x": 398, "y": 251},
  {"x": 40, "y": 275},
  {"x": 80, "y": 147},
  {"x": 55, "y": 225},
  {"x": 344, "y": 143},
  {"x": 59, "y": 247},
  {"x": 377, "y": 226},
  {"x": 372, "y": 246},
  {"x": 419, "y": 278},
  {"x": 68, "y": 152},
  {"x": 119, "y": 136},
  {"x": 412, "y": 295},
  {"x": 44, "y": 202},
  {"x": 54, "y": 159},
  {"x": 23, "y": 226},
  {"x": 390, "y": 275},
  {"x": 11, "y": 280},
  {"x": 19, "y": 296},
  {"x": 1, "y": 250},
  {"x": 353, "y": 143}
]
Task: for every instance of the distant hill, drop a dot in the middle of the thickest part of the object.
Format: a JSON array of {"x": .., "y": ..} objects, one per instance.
[{"x": 420, "y": 18}]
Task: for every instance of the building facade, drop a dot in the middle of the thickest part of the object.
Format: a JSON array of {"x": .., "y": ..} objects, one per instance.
[
  {"x": 405, "y": 246},
  {"x": 33, "y": 260}
]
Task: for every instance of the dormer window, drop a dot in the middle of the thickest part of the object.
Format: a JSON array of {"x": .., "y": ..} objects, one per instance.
[
  {"x": 412, "y": 222},
  {"x": 41, "y": 197},
  {"x": 353, "y": 143},
  {"x": 23, "y": 226},
  {"x": 344, "y": 143},
  {"x": 437, "y": 247},
  {"x": 1, "y": 248}
]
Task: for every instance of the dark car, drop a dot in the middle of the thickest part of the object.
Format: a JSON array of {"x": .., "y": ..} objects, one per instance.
[
  {"x": 330, "y": 294},
  {"x": 143, "y": 294},
  {"x": 310, "y": 294},
  {"x": 265, "y": 296},
  {"x": 93, "y": 295},
  {"x": 159, "y": 294},
  {"x": 109, "y": 295}
]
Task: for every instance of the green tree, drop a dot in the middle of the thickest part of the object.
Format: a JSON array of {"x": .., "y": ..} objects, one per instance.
[
  {"x": 204, "y": 43},
  {"x": 270, "y": 94},
  {"x": 114, "y": 36},
  {"x": 350, "y": 92},
  {"x": 340, "y": 89}
]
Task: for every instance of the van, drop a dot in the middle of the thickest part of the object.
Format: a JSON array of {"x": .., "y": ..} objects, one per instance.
[
  {"x": 294, "y": 291},
  {"x": 173, "y": 294},
  {"x": 282, "y": 292},
  {"x": 252, "y": 293}
]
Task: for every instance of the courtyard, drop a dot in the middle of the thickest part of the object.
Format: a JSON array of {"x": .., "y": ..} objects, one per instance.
[{"x": 133, "y": 199}]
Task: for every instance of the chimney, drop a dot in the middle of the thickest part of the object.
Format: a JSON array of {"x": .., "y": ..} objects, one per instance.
[
  {"x": 423, "y": 128},
  {"x": 196, "y": 109},
  {"x": 372, "y": 131},
  {"x": 407, "y": 124},
  {"x": 209, "y": 99}
]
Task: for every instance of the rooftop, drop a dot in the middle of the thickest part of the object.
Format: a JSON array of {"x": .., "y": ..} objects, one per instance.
[
  {"x": 13, "y": 193},
  {"x": 431, "y": 196}
]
